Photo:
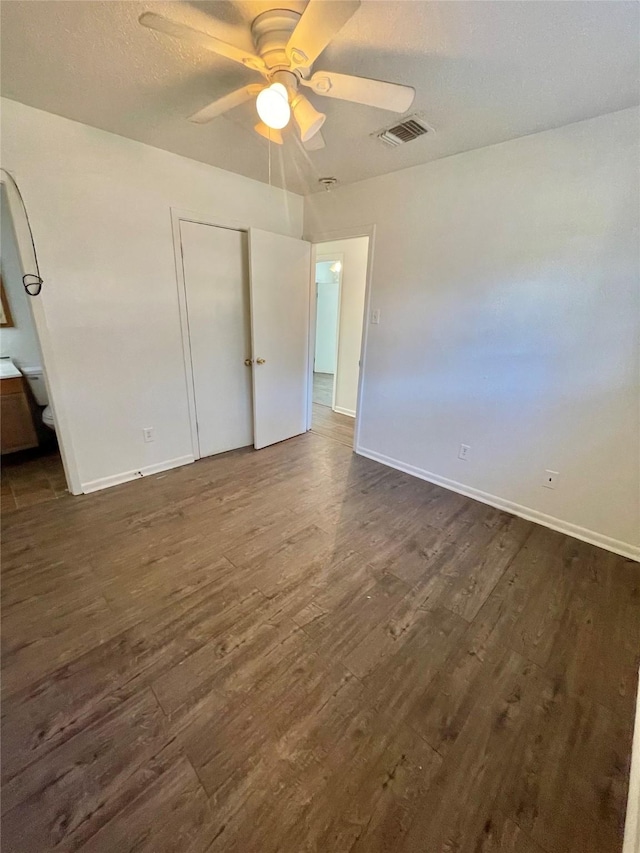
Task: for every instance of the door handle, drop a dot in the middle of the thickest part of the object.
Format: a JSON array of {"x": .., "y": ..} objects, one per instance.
[
  {"x": 248, "y": 362},
  {"x": 260, "y": 360}
]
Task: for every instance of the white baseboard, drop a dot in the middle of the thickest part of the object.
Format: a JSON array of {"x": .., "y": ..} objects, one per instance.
[
  {"x": 126, "y": 476},
  {"x": 632, "y": 823},
  {"x": 342, "y": 411},
  {"x": 615, "y": 545}
]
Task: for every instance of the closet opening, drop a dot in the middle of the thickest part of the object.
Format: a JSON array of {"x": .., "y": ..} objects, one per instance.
[{"x": 243, "y": 295}]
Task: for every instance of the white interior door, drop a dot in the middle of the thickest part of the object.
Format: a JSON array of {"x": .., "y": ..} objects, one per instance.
[
  {"x": 280, "y": 269},
  {"x": 216, "y": 277}
]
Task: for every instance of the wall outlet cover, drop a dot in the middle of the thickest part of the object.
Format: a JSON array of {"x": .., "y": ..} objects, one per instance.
[{"x": 463, "y": 453}]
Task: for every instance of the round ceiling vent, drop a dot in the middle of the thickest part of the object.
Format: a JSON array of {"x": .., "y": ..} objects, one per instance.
[{"x": 327, "y": 183}]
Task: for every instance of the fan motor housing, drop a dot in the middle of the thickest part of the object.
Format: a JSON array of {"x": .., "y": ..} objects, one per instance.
[{"x": 271, "y": 32}]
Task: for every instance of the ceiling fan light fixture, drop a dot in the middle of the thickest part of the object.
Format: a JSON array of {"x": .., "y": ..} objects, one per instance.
[
  {"x": 307, "y": 117},
  {"x": 268, "y": 133},
  {"x": 273, "y": 106},
  {"x": 287, "y": 44}
]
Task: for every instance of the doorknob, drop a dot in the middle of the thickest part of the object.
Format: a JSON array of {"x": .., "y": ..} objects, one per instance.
[
  {"x": 248, "y": 362},
  {"x": 260, "y": 360}
]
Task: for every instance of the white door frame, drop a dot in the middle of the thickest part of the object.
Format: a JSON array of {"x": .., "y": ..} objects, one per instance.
[
  {"x": 51, "y": 376},
  {"x": 314, "y": 238},
  {"x": 336, "y": 256},
  {"x": 178, "y": 215}
]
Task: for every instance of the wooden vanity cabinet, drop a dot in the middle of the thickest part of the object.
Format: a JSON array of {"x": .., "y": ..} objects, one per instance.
[{"x": 17, "y": 431}]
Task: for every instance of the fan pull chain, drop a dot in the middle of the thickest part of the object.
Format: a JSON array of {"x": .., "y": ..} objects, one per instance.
[{"x": 269, "y": 156}]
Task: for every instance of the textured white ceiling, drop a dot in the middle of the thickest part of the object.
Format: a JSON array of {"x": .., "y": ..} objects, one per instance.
[{"x": 484, "y": 72}]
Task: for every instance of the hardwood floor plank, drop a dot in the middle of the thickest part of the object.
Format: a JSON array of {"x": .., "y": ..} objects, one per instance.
[
  {"x": 502, "y": 835},
  {"x": 206, "y": 667},
  {"x": 397, "y": 661},
  {"x": 39, "y": 718},
  {"x": 596, "y": 651},
  {"x": 567, "y": 782},
  {"x": 323, "y": 388},
  {"x": 296, "y": 690},
  {"x": 171, "y": 814},
  {"x": 461, "y": 799},
  {"x": 404, "y": 777},
  {"x": 374, "y": 777},
  {"x": 288, "y": 773},
  {"x": 481, "y": 559},
  {"x": 337, "y": 633},
  {"x": 330, "y": 424},
  {"x": 85, "y": 782},
  {"x": 37, "y": 638},
  {"x": 466, "y": 685}
]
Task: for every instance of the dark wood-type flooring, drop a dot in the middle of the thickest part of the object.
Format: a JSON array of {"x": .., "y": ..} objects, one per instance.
[
  {"x": 323, "y": 388},
  {"x": 31, "y": 477},
  {"x": 333, "y": 425},
  {"x": 302, "y": 650}
]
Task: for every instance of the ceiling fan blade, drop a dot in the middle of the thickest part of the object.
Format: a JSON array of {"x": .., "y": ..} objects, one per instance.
[
  {"x": 269, "y": 133},
  {"x": 320, "y": 22},
  {"x": 361, "y": 90},
  {"x": 316, "y": 143},
  {"x": 195, "y": 37},
  {"x": 227, "y": 102}
]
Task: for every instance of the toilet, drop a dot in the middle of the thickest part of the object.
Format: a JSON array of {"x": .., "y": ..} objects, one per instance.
[
  {"x": 47, "y": 418},
  {"x": 35, "y": 378}
]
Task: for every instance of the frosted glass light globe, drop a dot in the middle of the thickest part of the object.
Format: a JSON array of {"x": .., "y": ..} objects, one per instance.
[{"x": 273, "y": 106}]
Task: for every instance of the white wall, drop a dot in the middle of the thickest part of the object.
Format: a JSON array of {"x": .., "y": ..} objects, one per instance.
[
  {"x": 354, "y": 254},
  {"x": 100, "y": 210},
  {"x": 18, "y": 341},
  {"x": 507, "y": 280},
  {"x": 327, "y": 290}
]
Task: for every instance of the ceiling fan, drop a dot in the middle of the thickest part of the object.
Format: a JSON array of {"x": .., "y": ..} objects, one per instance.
[{"x": 287, "y": 44}]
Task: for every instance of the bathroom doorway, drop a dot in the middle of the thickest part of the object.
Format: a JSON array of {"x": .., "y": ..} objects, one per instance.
[
  {"x": 340, "y": 283},
  {"x": 32, "y": 470}
]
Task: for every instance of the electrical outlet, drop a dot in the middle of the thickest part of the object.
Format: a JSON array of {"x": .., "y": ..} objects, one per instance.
[
  {"x": 375, "y": 316},
  {"x": 147, "y": 433},
  {"x": 464, "y": 451},
  {"x": 550, "y": 479}
]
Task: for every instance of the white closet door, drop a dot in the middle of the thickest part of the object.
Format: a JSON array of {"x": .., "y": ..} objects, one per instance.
[
  {"x": 216, "y": 276},
  {"x": 280, "y": 274}
]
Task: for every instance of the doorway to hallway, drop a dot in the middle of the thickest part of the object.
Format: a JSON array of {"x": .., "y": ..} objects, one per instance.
[
  {"x": 340, "y": 285},
  {"x": 328, "y": 288}
]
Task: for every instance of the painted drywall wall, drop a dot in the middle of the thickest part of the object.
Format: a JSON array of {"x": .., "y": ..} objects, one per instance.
[
  {"x": 99, "y": 206},
  {"x": 353, "y": 286},
  {"x": 327, "y": 295},
  {"x": 19, "y": 341},
  {"x": 507, "y": 281}
]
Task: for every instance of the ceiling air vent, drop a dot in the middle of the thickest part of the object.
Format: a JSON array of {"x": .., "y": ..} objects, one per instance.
[{"x": 411, "y": 128}]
